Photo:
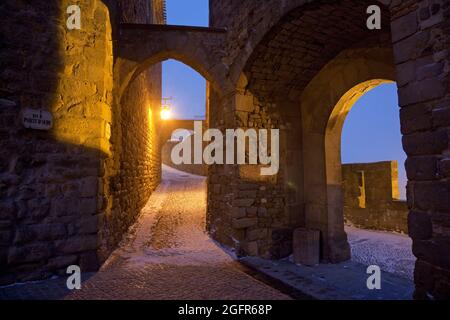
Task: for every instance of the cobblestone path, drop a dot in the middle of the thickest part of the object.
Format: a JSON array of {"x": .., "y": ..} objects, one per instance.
[
  {"x": 167, "y": 254},
  {"x": 392, "y": 252}
]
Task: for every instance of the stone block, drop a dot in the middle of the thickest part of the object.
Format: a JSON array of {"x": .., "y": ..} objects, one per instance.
[
  {"x": 421, "y": 91},
  {"x": 89, "y": 187},
  {"x": 88, "y": 224},
  {"x": 412, "y": 47},
  {"x": 77, "y": 244},
  {"x": 256, "y": 234},
  {"x": 426, "y": 143},
  {"x": 404, "y": 26},
  {"x": 252, "y": 212},
  {"x": 444, "y": 167},
  {"x": 421, "y": 168},
  {"x": 416, "y": 118},
  {"x": 243, "y": 202},
  {"x": 27, "y": 254},
  {"x": 434, "y": 251},
  {"x": 262, "y": 212},
  {"x": 244, "y": 223},
  {"x": 238, "y": 212},
  {"x": 306, "y": 246},
  {"x": 40, "y": 232},
  {"x": 88, "y": 206},
  {"x": 441, "y": 117},
  {"x": 419, "y": 225},
  {"x": 432, "y": 196},
  {"x": 251, "y": 248},
  {"x": 62, "y": 262},
  {"x": 281, "y": 242}
]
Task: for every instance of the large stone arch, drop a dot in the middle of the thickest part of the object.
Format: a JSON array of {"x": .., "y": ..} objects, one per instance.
[
  {"x": 269, "y": 91},
  {"x": 325, "y": 105},
  {"x": 275, "y": 13},
  {"x": 418, "y": 34}
]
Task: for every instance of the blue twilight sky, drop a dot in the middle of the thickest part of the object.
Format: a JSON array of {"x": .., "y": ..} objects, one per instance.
[
  {"x": 371, "y": 131},
  {"x": 185, "y": 86}
]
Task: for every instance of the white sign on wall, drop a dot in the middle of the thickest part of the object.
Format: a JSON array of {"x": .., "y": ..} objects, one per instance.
[{"x": 37, "y": 119}]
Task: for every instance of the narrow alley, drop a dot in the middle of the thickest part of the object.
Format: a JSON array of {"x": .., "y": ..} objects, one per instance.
[{"x": 167, "y": 254}]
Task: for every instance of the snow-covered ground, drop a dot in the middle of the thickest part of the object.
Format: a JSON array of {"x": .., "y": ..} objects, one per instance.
[
  {"x": 171, "y": 228},
  {"x": 392, "y": 252}
]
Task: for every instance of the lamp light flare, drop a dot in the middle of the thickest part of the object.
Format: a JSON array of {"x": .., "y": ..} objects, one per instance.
[{"x": 165, "y": 114}]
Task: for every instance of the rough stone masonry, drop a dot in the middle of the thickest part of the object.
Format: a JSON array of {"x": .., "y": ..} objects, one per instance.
[{"x": 67, "y": 195}]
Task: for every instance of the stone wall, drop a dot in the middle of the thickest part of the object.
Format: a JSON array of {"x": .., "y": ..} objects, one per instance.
[
  {"x": 273, "y": 57},
  {"x": 371, "y": 197},
  {"x": 421, "y": 36},
  {"x": 67, "y": 195},
  {"x": 273, "y": 52},
  {"x": 49, "y": 204},
  {"x": 134, "y": 169}
]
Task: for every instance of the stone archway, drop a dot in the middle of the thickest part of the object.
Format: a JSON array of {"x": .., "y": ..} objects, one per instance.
[
  {"x": 418, "y": 35},
  {"x": 325, "y": 105},
  {"x": 256, "y": 28},
  {"x": 271, "y": 92},
  {"x": 137, "y": 134},
  {"x": 140, "y": 46}
]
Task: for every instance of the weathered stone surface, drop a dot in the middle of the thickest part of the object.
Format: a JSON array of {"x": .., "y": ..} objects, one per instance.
[
  {"x": 256, "y": 234},
  {"x": 30, "y": 253},
  {"x": 251, "y": 248},
  {"x": 422, "y": 168},
  {"x": 419, "y": 225},
  {"x": 243, "y": 202},
  {"x": 62, "y": 262},
  {"x": 281, "y": 243},
  {"x": 432, "y": 196},
  {"x": 404, "y": 26},
  {"x": 441, "y": 116},
  {"x": 434, "y": 251},
  {"x": 238, "y": 212},
  {"x": 87, "y": 225},
  {"x": 431, "y": 282},
  {"x": 41, "y": 232},
  {"x": 244, "y": 223},
  {"x": 371, "y": 196},
  {"x": 77, "y": 244},
  {"x": 306, "y": 247},
  {"x": 444, "y": 167},
  {"x": 416, "y": 118},
  {"x": 420, "y": 91},
  {"x": 426, "y": 143}
]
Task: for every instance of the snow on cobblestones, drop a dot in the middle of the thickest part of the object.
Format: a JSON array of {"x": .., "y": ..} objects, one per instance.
[
  {"x": 392, "y": 252},
  {"x": 168, "y": 255}
]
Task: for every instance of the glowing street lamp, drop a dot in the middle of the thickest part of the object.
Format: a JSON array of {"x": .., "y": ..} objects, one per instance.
[{"x": 166, "y": 114}]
